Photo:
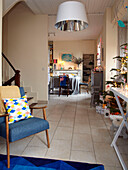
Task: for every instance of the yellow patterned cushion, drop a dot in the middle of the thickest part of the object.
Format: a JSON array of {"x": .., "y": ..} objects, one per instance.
[{"x": 17, "y": 108}]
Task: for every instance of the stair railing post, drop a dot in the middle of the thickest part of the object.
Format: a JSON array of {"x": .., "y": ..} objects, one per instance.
[{"x": 17, "y": 78}]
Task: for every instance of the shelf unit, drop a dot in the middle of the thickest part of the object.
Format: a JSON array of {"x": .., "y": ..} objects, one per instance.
[
  {"x": 88, "y": 65},
  {"x": 96, "y": 86},
  {"x": 51, "y": 57}
]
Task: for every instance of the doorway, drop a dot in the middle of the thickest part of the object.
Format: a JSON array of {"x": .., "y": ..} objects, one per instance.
[{"x": 88, "y": 65}]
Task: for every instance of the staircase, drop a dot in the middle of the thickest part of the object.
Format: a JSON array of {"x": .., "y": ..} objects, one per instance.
[
  {"x": 31, "y": 96},
  {"x": 15, "y": 80}
]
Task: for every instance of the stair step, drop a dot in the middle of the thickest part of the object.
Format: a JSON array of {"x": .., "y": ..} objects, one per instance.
[
  {"x": 29, "y": 98},
  {"x": 33, "y": 104}
]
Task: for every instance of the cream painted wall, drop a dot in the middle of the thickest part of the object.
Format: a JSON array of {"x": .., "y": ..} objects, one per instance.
[
  {"x": 1, "y": 9},
  {"x": 8, "y": 4},
  {"x": 76, "y": 48},
  {"x": 27, "y": 47},
  {"x": 110, "y": 44},
  {"x": 104, "y": 47}
]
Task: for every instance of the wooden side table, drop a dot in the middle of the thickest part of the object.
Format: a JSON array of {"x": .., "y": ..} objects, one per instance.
[{"x": 7, "y": 137}]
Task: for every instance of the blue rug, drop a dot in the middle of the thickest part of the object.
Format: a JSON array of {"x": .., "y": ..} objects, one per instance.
[{"x": 29, "y": 163}]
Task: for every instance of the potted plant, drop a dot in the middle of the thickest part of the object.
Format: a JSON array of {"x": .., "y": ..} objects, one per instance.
[{"x": 77, "y": 61}]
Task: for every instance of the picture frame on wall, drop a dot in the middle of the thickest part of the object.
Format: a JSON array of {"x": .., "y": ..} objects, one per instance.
[{"x": 66, "y": 57}]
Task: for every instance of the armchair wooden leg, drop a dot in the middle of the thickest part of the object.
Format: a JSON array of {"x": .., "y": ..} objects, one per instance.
[
  {"x": 7, "y": 143},
  {"x": 47, "y": 138}
]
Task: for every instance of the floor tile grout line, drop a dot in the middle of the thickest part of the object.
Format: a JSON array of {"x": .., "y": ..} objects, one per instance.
[
  {"x": 4, "y": 145},
  {"x": 107, "y": 128},
  {"x": 73, "y": 132},
  {"x": 92, "y": 141},
  {"x": 102, "y": 142},
  {"x": 111, "y": 139},
  {"x": 27, "y": 145},
  {"x": 54, "y": 132}
]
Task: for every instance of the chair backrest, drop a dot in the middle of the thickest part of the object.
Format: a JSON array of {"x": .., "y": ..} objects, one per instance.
[
  {"x": 22, "y": 92},
  {"x": 8, "y": 92},
  {"x": 89, "y": 82},
  {"x": 55, "y": 82},
  {"x": 64, "y": 80}
]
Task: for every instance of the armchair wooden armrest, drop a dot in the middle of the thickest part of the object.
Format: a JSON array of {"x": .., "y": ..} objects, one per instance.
[
  {"x": 39, "y": 107},
  {"x": 4, "y": 115}
]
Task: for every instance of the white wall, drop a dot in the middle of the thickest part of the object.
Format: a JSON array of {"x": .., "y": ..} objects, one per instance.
[
  {"x": 1, "y": 9},
  {"x": 26, "y": 47},
  {"x": 76, "y": 48},
  {"x": 8, "y": 4},
  {"x": 110, "y": 44}
]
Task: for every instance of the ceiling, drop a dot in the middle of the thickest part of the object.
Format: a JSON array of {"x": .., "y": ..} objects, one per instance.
[{"x": 95, "y": 11}]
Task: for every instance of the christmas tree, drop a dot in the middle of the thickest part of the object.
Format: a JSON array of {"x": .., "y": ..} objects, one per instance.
[
  {"x": 121, "y": 76},
  {"x": 119, "y": 79}
]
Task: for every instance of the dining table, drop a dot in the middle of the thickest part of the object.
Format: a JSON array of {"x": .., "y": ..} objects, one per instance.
[{"x": 73, "y": 83}]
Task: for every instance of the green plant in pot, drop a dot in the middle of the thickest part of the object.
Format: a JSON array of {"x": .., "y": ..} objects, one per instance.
[{"x": 77, "y": 61}]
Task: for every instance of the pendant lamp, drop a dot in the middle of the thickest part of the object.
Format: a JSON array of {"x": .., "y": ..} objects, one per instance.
[{"x": 71, "y": 16}]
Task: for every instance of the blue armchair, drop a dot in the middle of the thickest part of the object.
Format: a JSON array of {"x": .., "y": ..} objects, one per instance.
[{"x": 23, "y": 128}]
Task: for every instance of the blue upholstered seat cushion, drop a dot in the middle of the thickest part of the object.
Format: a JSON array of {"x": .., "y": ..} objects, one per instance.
[
  {"x": 2, "y": 119},
  {"x": 86, "y": 84},
  {"x": 24, "y": 128}
]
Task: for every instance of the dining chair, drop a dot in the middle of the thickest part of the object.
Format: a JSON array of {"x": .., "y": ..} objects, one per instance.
[
  {"x": 86, "y": 85},
  {"x": 64, "y": 84}
]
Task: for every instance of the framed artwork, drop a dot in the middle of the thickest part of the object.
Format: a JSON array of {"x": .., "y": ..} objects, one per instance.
[{"x": 66, "y": 57}]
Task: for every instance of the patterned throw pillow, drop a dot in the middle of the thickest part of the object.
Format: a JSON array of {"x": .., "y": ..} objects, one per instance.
[{"x": 17, "y": 108}]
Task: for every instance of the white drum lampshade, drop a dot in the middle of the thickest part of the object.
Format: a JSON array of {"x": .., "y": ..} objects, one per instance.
[{"x": 71, "y": 16}]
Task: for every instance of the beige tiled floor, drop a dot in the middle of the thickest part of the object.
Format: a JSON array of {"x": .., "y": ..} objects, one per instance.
[{"x": 76, "y": 133}]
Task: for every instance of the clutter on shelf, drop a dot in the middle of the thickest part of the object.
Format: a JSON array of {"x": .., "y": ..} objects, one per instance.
[
  {"x": 107, "y": 99},
  {"x": 107, "y": 104}
]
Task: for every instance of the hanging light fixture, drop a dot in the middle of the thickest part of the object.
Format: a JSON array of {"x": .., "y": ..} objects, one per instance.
[{"x": 71, "y": 16}]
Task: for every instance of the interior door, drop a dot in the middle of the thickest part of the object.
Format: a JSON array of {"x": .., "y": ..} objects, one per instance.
[{"x": 88, "y": 65}]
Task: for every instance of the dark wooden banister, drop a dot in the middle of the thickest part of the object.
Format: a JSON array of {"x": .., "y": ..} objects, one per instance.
[
  {"x": 9, "y": 62},
  {"x": 15, "y": 78}
]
